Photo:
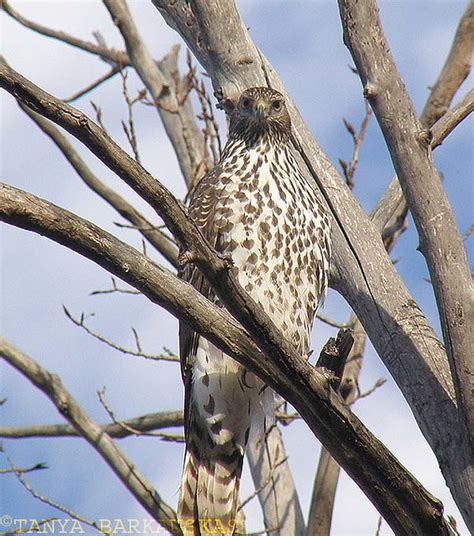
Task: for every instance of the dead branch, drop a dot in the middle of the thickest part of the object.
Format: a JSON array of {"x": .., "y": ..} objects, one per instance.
[
  {"x": 158, "y": 239},
  {"x": 362, "y": 271},
  {"x": 327, "y": 474},
  {"x": 392, "y": 203},
  {"x": 23, "y": 470},
  {"x": 357, "y": 139},
  {"x": 54, "y": 504},
  {"x": 181, "y": 128},
  {"x": 134, "y": 431},
  {"x": 409, "y": 146},
  {"x": 291, "y": 376},
  {"x": 275, "y": 487},
  {"x": 115, "y": 56},
  {"x": 264, "y": 484},
  {"x": 127, "y": 351},
  {"x": 454, "y": 72},
  {"x": 93, "y": 85},
  {"x": 50, "y": 384},
  {"x": 143, "y": 424},
  {"x": 115, "y": 289},
  {"x": 331, "y": 322},
  {"x": 334, "y": 355},
  {"x": 129, "y": 127}
]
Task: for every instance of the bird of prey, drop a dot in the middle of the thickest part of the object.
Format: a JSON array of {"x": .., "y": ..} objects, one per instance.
[{"x": 257, "y": 207}]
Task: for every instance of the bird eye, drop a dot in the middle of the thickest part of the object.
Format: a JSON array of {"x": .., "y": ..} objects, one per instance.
[
  {"x": 245, "y": 103},
  {"x": 276, "y": 105}
]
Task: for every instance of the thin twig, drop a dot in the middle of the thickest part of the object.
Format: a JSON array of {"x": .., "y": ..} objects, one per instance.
[
  {"x": 93, "y": 85},
  {"x": 133, "y": 431},
  {"x": 54, "y": 504},
  {"x": 80, "y": 323},
  {"x": 129, "y": 128},
  {"x": 379, "y": 526},
  {"x": 333, "y": 323},
  {"x": 264, "y": 484},
  {"x": 378, "y": 383},
  {"x": 468, "y": 232},
  {"x": 115, "y": 289},
  {"x": 23, "y": 470},
  {"x": 357, "y": 139}
]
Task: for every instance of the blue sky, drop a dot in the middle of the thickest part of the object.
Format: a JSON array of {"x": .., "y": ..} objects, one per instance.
[{"x": 303, "y": 40}]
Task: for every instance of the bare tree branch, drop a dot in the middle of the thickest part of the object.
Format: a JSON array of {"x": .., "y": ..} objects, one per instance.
[
  {"x": 128, "y": 351},
  {"x": 144, "y": 423},
  {"x": 327, "y": 474},
  {"x": 452, "y": 118},
  {"x": 392, "y": 203},
  {"x": 130, "y": 429},
  {"x": 158, "y": 239},
  {"x": 50, "y": 384},
  {"x": 454, "y": 73},
  {"x": 115, "y": 56},
  {"x": 50, "y": 502},
  {"x": 275, "y": 487},
  {"x": 23, "y": 470},
  {"x": 362, "y": 271},
  {"x": 181, "y": 127},
  {"x": 405, "y": 504},
  {"x": 90, "y": 87},
  {"x": 409, "y": 146},
  {"x": 455, "y": 70}
]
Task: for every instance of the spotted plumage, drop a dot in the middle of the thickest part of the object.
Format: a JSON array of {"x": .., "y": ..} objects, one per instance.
[{"x": 257, "y": 207}]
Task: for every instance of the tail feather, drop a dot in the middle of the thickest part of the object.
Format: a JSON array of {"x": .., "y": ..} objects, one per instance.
[{"x": 209, "y": 493}]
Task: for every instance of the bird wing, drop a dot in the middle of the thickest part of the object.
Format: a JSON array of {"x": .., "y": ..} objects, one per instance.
[{"x": 202, "y": 208}]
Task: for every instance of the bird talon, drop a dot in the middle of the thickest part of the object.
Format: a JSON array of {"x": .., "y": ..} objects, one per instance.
[{"x": 185, "y": 258}]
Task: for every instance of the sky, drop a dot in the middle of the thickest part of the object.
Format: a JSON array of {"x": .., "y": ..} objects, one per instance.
[{"x": 303, "y": 41}]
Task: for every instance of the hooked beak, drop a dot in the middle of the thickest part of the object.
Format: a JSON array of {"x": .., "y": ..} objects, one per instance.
[{"x": 261, "y": 109}]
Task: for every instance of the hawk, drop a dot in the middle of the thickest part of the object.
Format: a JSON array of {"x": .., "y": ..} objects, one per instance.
[{"x": 257, "y": 207}]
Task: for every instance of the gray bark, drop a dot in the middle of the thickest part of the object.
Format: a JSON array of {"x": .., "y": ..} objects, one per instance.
[{"x": 362, "y": 273}]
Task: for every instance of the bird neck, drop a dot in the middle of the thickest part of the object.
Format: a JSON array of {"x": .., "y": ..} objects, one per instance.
[{"x": 260, "y": 141}]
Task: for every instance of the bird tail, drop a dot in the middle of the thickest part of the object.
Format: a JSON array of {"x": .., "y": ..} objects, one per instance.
[{"x": 209, "y": 494}]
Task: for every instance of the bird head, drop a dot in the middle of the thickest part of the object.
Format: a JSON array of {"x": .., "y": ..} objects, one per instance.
[{"x": 260, "y": 110}]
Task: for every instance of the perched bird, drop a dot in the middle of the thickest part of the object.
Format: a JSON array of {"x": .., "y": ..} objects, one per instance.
[{"x": 257, "y": 207}]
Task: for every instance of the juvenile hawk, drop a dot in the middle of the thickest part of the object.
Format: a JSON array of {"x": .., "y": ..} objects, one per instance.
[{"x": 256, "y": 206}]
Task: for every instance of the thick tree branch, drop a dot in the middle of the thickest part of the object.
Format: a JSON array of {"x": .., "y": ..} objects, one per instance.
[
  {"x": 409, "y": 146},
  {"x": 144, "y": 423},
  {"x": 392, "y": 203},
  {"x": 324, "y": 490},
  {"x": 162, "y": 82},
  {"x": 455, "y": 70},
  {"x": 160, "y": 78},
  {"x": 278, "y": 498},
  {"x": 50, "y": 384},
  {"x": 362, "y": 273},
  {"x": 156, "y": 238},
  {"x": 446, "y": 86},
  {"x": 404, "y": 503}
]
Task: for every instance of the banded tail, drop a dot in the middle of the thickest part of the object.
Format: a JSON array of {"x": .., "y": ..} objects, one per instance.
[{"x": 209, "y": 494}]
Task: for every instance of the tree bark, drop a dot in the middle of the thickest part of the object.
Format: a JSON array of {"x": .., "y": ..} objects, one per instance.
[
  {"x": 133, "y": 480},
  {"x": 410, "y": 150},
  {"x": 407, "y": 507},
  {"x": 279, "y": 500},
  {"x": 362, "y": 271}
]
